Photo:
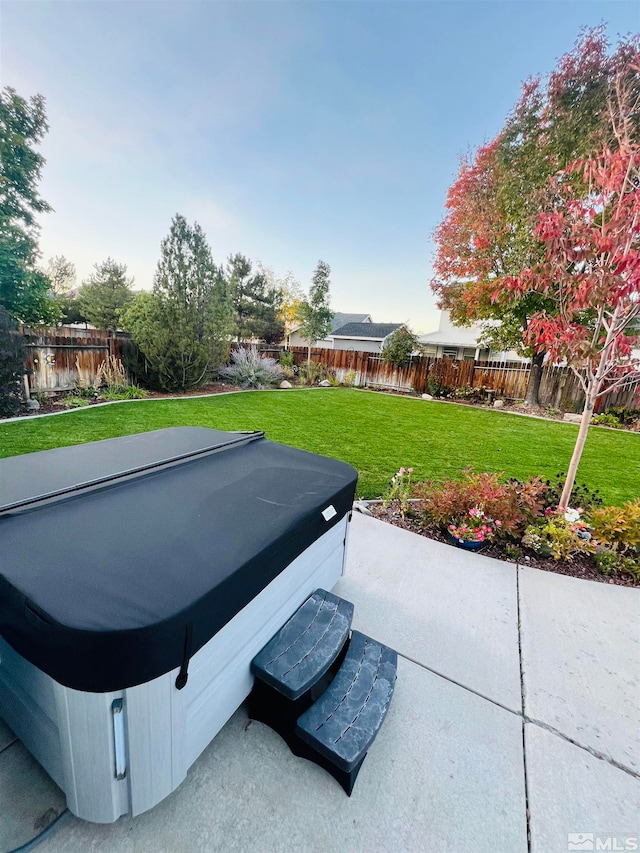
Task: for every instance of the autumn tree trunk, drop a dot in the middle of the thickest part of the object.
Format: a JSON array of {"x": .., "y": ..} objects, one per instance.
[
  {"x": 587, "y": 412},
  {"x": 532, "y": 395}
]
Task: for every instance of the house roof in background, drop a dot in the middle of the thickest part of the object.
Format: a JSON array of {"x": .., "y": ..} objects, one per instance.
[
  {"x": 341, "y": 319},
  {"x": 377, "y": 331},
  {"x": 460, "y": 337}
]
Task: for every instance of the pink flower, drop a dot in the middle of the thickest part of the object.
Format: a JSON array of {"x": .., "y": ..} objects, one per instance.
[
  {"x": 498, "y": 523},
  {"x": 410, "y": 470},
  {"x": 401, "y": 471}
]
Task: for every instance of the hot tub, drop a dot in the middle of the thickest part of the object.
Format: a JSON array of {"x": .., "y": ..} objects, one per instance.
[{"x": 139, "y": 576}]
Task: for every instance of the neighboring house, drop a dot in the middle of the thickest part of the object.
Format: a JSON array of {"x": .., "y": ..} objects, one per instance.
[
  {"x": 364, "y": 337},
  {"x": 460, "y": 342},
  {"x": 293, "y": 338}
]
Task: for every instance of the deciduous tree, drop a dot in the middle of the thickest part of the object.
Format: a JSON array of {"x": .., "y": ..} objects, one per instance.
[
  {"x": 315, "y": 313},
  {"x": 590, "y": 271},
  {"x": 24, "y": 290},
  {"x": 62, "y": 275},
  {"x": 290, "y": 295},
  {"x": 492, "y": 206},
  {"x": 399, "y": 347}
]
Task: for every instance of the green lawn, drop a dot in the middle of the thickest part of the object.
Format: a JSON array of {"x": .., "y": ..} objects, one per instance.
[{"x": 376, "y": 433}]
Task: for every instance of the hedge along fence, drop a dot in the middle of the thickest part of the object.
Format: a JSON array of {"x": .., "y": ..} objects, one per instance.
[
  {"x": 58, "y": 359},
  {"x": 559, "y": 387}
]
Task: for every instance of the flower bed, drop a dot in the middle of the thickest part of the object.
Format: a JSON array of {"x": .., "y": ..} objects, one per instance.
[{"x": 521, "y": 522}]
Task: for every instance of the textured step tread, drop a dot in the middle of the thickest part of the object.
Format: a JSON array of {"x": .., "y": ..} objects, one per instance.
[
  {"x": 343, "y": 723},
  {"x": 305, "y": 647}
]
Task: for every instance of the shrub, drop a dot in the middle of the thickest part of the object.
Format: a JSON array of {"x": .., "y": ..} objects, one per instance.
[
  {"x": 623, "y": 414},
  {"x": 82, "y": 389},
  {"x": 466, "y": 393},
  {"x": 437, "y": 388},
  {"x": 612, "y": 563},
  {"x": 74, "y": 402},
  {"x": 286, "y": 359},
  {"x": 558, "y": 537},
  {"x": 581, "y": 494},
  {"x": 138, "y": 366},
  {"x": 12, "y": 356},
  {"x": 514, "y": 503},
  {"x": 606, "y": 420},
  {"x": 43, "y": 397},
  {"x": 629, "y": 565},
  {"x": 617, "y": 527},
  {"x": 131, "y": 392},
  {"x": 606, "y": 561},
  {"x": 311, "y": 372},
  {"x": 399, "y": 490},
  {"x": 514, "y": 552},
  {"x": 350, "y": 378},
  {"x": 250, "y": 370}
]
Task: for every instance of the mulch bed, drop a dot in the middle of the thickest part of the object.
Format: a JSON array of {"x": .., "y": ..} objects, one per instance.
[
  {"x": 582, "y": 566},
  {"x": 57, "y": 404}
]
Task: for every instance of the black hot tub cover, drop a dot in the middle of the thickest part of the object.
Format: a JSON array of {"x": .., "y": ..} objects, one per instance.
[{"x": 121, "y": 558}]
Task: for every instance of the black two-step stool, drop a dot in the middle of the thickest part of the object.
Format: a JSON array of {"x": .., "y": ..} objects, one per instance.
[{"x": 324, "y": 688}]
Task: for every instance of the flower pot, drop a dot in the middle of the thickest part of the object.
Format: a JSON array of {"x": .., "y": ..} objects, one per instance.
[{"x": 466, "y": 544}]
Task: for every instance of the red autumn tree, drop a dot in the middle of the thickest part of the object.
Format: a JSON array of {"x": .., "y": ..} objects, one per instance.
[
  {"x": 493, "y": 205},
  {"x": 591, "y": 266}
]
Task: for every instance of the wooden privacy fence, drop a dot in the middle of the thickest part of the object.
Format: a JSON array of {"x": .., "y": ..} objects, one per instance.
[
  {"x": 559, "y": 387},
  {"x": 58, "y": 359}
]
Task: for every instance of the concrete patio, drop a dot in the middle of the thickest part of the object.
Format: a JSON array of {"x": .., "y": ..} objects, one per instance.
[{"x": 516, "y": 712}]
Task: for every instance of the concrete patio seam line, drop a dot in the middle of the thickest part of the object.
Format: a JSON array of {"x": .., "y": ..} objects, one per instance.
[
  {"x": 594, "y": 752},
  {"x": 599, "y": 755},
  {"x": 8, "y": 746},
  {"x": 522, "y": 692},
  {"x": 459, "y": 684}
]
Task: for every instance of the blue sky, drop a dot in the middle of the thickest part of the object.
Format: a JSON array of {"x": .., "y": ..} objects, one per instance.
[{"x": 290, "y": 131}]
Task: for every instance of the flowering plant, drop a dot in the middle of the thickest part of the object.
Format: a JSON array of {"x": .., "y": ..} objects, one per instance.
[
  {"x": 475, "y": 526},
  {"x": 399, "y": 490},
  {"x": 560, "y": 534}
]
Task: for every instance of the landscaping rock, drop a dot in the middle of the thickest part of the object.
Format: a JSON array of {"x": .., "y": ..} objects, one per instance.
[
  {"x": 361, "y": 506},
  {"x": 286, "y": 384},
  {"x": 427, "y": 397},
  {"x": 572, "y": 417},
  {"x": 498, "y": 404},
  {"x": 33, "y": 405},
  {"x": 325, "y": 383}
]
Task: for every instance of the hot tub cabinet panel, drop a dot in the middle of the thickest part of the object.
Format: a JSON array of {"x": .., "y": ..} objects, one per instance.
[{"x": 121, "y": 751}]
